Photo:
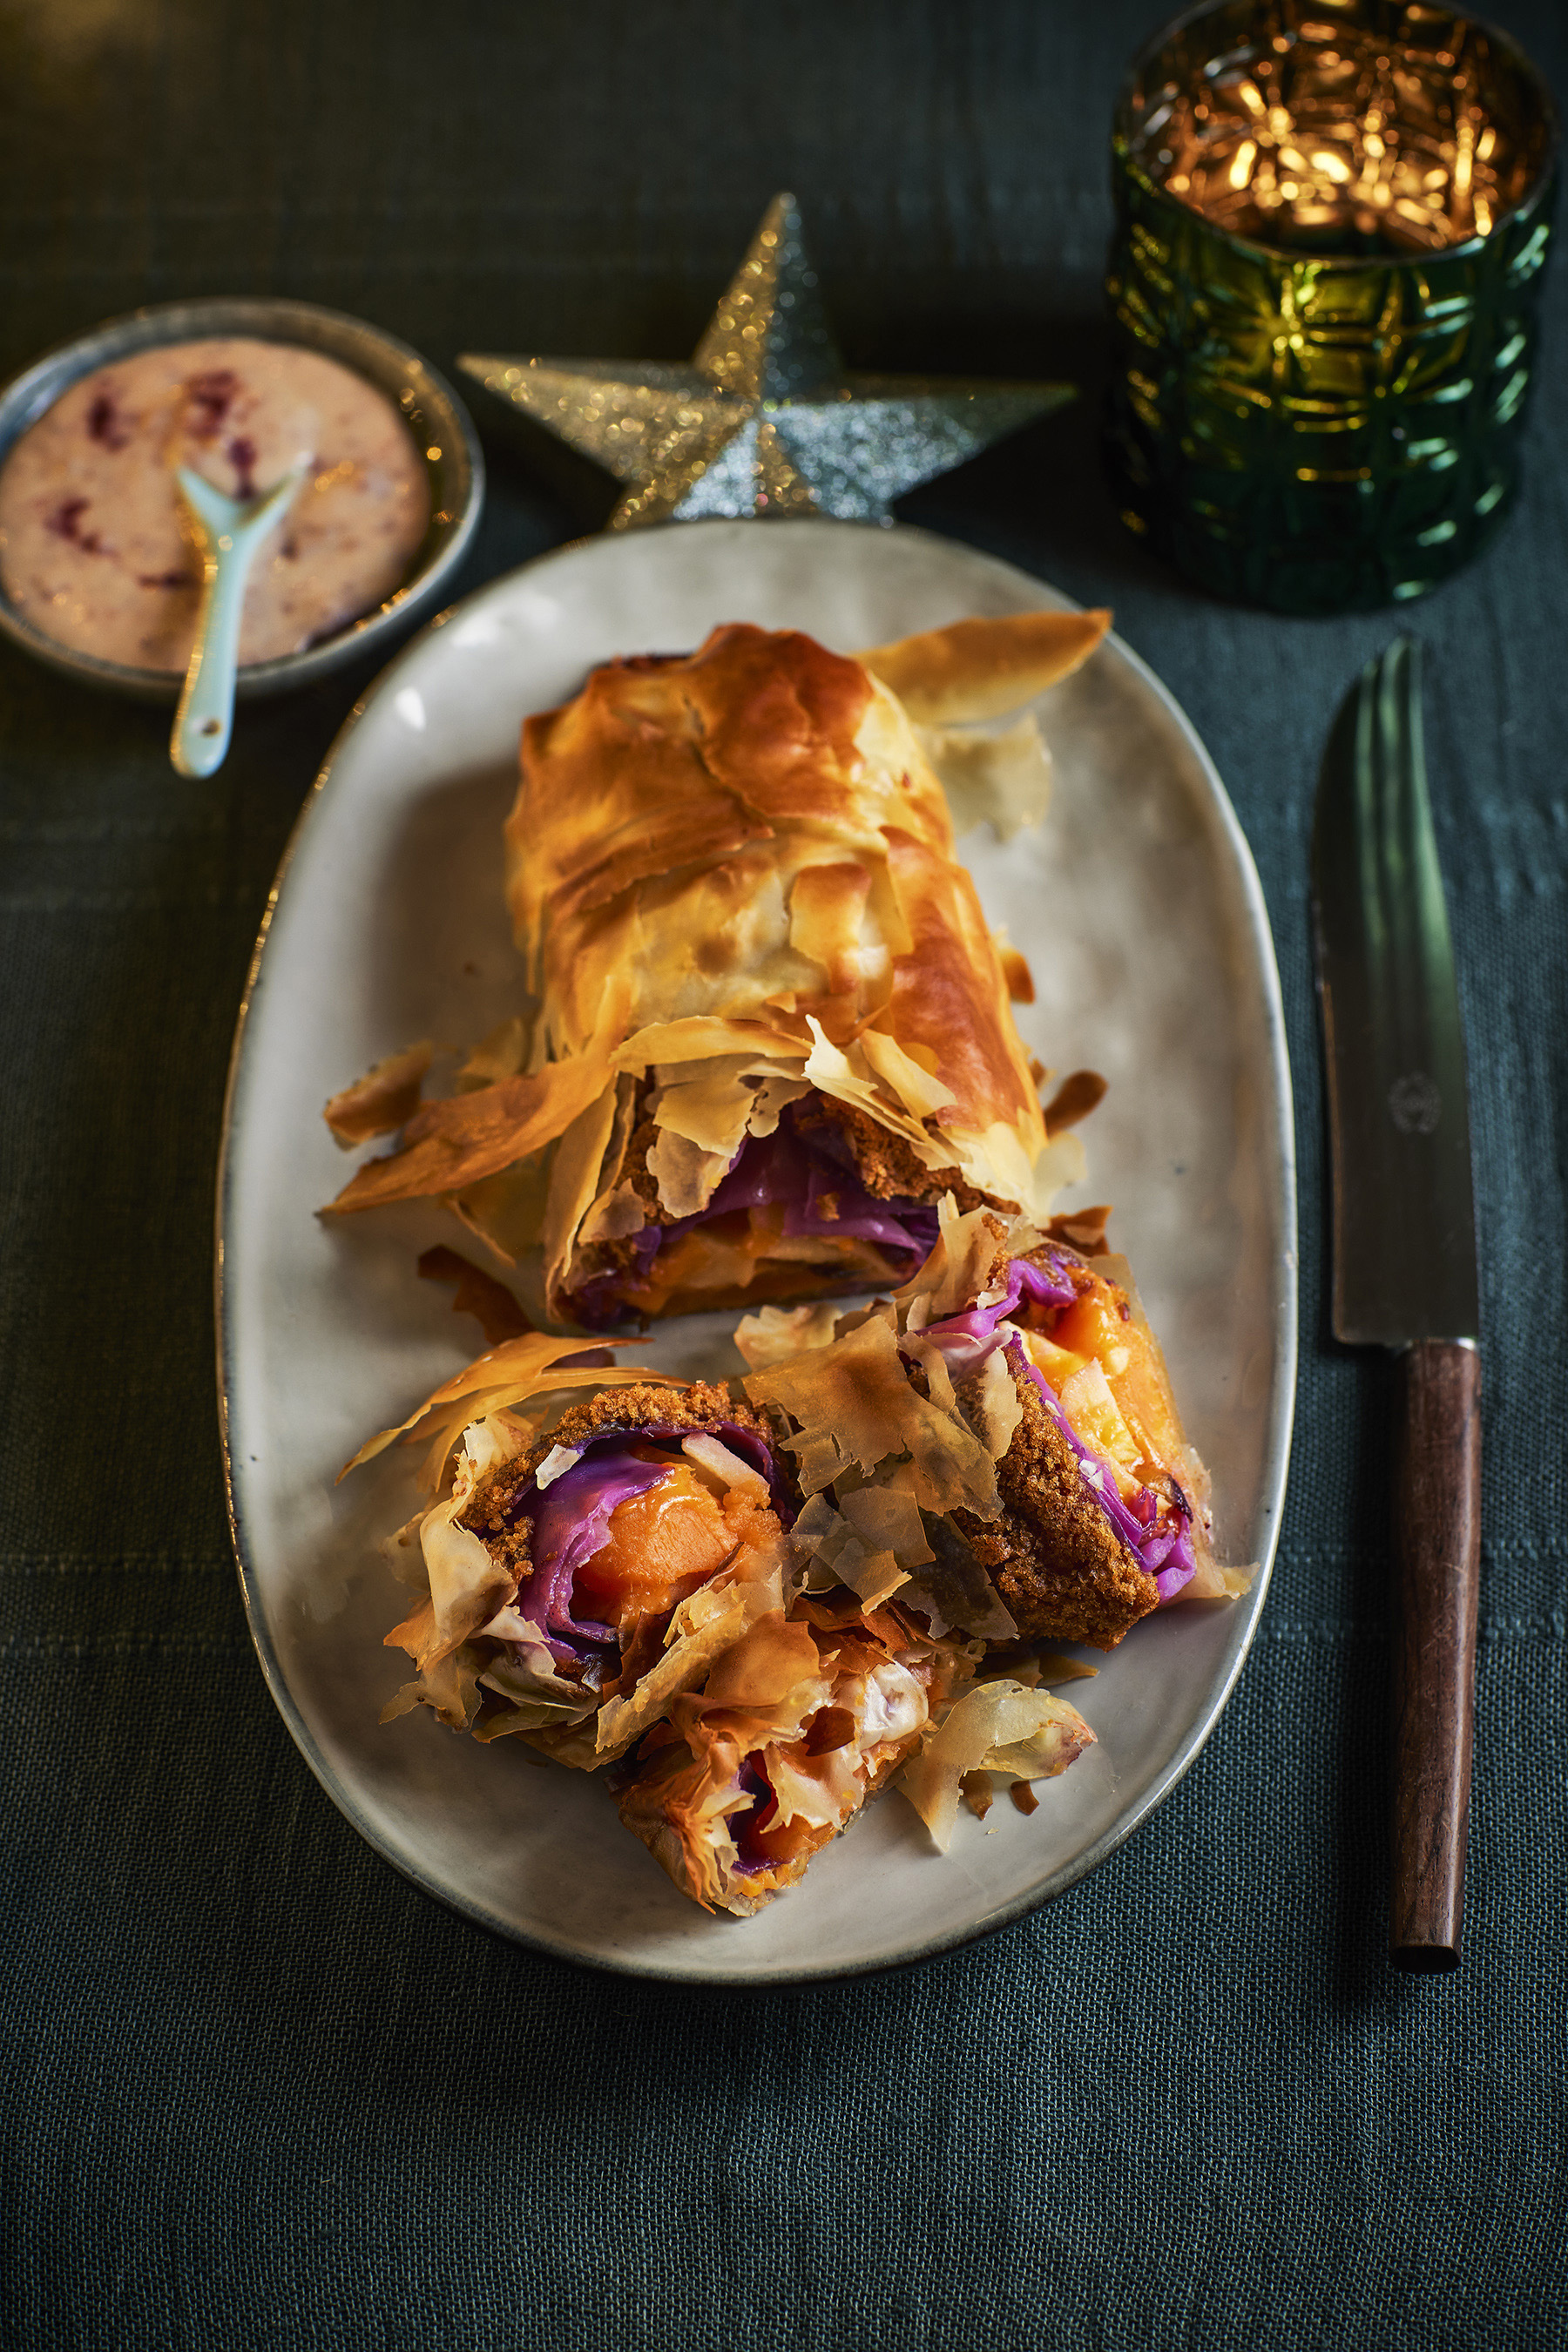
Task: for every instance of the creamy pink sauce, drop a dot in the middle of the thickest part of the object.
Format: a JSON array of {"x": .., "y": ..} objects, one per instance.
[{"x": 93, "y": 544}]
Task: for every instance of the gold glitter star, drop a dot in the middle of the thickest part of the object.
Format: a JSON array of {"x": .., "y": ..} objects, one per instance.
[{"x": 764, "y": 421}]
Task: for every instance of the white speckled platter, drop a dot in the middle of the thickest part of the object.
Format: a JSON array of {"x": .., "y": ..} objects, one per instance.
[{"x": 1138, "y": 908}]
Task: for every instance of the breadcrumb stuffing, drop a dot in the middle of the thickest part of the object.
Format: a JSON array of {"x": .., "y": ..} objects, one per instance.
[
  {"x": 887, "y": 1163},
  {"x": 1053, "y": 1555}
]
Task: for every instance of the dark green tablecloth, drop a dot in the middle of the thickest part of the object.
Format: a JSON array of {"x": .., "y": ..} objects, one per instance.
[{"x": 256, "y": 2089}]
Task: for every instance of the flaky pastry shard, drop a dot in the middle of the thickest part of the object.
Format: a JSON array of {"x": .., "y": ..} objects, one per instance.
[
  {"x": 774, "y": 1029},
  {"x": 998, "y": 1726},
  {"x": 974, "y": 669}
]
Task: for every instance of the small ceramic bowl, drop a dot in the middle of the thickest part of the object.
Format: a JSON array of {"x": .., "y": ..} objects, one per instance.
[{"x": 439, "y": 422}]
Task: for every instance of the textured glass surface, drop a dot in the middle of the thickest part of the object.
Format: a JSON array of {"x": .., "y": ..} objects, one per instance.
[{"x": 1314, "y": 433}]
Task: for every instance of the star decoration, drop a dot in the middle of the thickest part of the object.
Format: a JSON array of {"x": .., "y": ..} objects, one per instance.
[{"x": 764, "y": 421}]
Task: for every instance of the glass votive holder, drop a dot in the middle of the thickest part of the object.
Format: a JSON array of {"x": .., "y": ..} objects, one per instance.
[{"x": 1322, "y": 425}]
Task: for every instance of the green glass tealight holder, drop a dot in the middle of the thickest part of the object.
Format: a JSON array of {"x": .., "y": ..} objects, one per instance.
[{"x": 1315, "y": 432}]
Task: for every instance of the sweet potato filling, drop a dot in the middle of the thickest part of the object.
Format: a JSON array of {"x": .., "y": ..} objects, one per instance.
[
  {"x": 662, "y": 1544},
  {"x": 1095, "y": 1330}
]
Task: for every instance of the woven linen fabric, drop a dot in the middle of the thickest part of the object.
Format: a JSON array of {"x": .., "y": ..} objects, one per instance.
[{"x": 255, "y": 2088}]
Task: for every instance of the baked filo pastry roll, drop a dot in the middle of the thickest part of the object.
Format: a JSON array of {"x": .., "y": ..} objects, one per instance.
[
  {"x": 804, "y": 1720},
  {"x": 578, "y": 1569},
  {"x": 796, "y": 1726},
  {"x": 1014, "y": 1387},
  {"x": 771, "y": 1027}
]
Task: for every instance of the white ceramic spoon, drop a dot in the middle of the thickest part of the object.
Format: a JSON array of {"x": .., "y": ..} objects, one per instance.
[{"x": 229, "y": 535}]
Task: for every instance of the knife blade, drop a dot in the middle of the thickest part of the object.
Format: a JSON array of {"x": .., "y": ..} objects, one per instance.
[{"x": 1404, "y": 1251}]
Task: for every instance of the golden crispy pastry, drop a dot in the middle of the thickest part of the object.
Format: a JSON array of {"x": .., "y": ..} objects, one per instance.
[
  {"x": 802, "y": 1721},
  {"x": 981, "y": 669},
  {"x": 772, "y": 1028},
  {"x": 623, "y": 1575}
]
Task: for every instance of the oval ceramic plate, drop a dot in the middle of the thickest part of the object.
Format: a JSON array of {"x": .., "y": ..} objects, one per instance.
[{"x": 1138, "y": 908}]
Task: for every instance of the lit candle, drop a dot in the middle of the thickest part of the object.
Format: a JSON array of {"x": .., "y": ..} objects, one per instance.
[
  {"x": 1330, "y": 223},
  {"x": 1372, "y": 130}
]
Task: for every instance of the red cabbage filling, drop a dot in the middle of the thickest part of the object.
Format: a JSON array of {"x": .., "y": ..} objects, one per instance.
[
  {"x": 967, "y": 1339},
  {"x": 800, "y": 1173},
  {"x": 570, "y": 1521},
  {"x": 746, "y": 1826}
]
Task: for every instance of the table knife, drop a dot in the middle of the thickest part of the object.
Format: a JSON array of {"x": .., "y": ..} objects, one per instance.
[{"x": 1405, "y": 1253}]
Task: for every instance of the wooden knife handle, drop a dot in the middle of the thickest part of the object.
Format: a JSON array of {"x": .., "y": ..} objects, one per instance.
[{"x": 1437, "y": 1547}]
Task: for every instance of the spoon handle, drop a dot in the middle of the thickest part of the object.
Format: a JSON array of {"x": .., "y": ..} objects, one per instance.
[{"x": 204, "y": 718}]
